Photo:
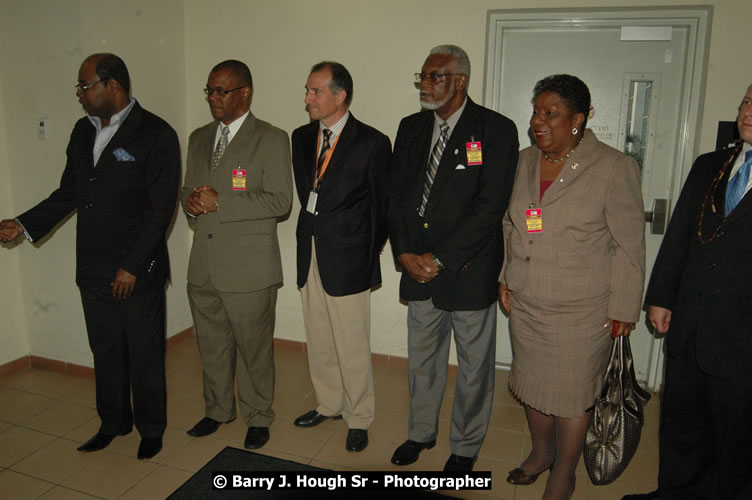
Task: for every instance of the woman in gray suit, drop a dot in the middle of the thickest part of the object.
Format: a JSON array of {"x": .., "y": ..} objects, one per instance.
[{"x": 573, "y": 271}]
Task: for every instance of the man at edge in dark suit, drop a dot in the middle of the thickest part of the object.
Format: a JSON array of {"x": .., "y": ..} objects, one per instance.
[
  {"x": 453, "y": 168},
  {"x": 699, "y": 293},
  {"x": 340, "y": 167},
  {"x": 121, "y": 176}
]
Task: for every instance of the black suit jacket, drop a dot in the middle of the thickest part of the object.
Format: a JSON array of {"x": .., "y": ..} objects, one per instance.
[
  {"x": 349, "y": 225},
  {"x": 124, "y": 205},
  {"x": 708, "y": 286},
  {"x": 462, "y": 222}
]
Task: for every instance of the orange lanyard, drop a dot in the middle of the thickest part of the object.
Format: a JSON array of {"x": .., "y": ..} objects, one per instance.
[{"x": 326, "y": 161}]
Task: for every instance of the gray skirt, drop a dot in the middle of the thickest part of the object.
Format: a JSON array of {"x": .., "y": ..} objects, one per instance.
[{"x": 560, "y": 351}]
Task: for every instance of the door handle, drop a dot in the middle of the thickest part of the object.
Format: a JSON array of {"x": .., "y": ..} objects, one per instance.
[{"x": 658, "y": 216}]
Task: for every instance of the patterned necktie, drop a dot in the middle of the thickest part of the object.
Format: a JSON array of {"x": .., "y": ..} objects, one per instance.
[
  {"x": 736, "y": 186},
  {"x": 324, "y": 149},
  {"x": 221, "y": 146},
  {"x": 433, "y": 166}
]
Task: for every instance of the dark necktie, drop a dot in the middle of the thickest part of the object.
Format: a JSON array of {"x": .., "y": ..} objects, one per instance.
[
  {"x": 221, "y": 146},
  {"x": 433, "y": 166},
  {"x": 737, "y": 185},
  {"x": 324, "y": 149}
]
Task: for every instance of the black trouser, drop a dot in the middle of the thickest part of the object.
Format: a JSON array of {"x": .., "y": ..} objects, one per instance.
[
  {"x": 705, "y": 434},
  {"x": 127, "y": 338}
]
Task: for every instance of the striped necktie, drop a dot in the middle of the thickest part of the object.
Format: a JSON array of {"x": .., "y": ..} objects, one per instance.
[
  {"x": 221, "y": 146},
  {"x": 433, "y": 166}
]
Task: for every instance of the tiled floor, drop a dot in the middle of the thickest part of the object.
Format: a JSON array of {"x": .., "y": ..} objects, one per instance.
[{"x": 44, "y": 415}]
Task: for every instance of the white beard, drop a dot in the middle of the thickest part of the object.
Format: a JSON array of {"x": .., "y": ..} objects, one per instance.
[{"x": 433, "y": 106}]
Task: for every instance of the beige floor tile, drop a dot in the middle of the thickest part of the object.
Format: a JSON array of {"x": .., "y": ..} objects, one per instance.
[
  {"x": 196, "y": 453},
  {"x": 29, "y": 378},
  {"x": 617, "y": 489},
  {"x": 502, "y": 445},
  {"x": 392, "y": 397},
  {"x": 375, "y": 457},
  {"x": 184, "y": 413},
  {"x": 61, "y": 418},
  {"x": 55, "y": 462},
  {"x": 20, "y": 487},
  {"x": 85, "y": 431},
  {"x": 305, "y": 442},
  {"x": 61, "y": 493},
  {"x": 18, "y": 443},
  {"x": 642, "y": 470},
  {"x": 21, "y": 406},
  {"x": 6, "y": 392},
  {"x": 110, "y": 475},
  {"x": 158, "y": 485},
  {"x": 173, "y": 441},
  {"x": 31, "y": 397},
  {"x": 330, "y": 466},
  {"x": 508, "y": 417},
  {"x": 499, "y": 469},
  {"x": 70, "y": 388}
]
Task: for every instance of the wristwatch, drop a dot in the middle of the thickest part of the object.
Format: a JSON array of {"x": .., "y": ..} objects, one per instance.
[{"x": 437, "y": 262}]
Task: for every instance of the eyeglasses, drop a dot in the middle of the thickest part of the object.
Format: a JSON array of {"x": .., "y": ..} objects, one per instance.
[
  {"x": 83, "y": 86},
  {"x": 220, "y": 92},
  {"x": 433, "y": 78}
]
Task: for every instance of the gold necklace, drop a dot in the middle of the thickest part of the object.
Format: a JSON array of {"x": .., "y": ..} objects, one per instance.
[{"x": 563, "y": 158}]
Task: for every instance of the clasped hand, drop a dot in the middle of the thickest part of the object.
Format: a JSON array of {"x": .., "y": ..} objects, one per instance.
[
  {"x": 202, "y": 200},
  {"x": 421, "y": 268}
]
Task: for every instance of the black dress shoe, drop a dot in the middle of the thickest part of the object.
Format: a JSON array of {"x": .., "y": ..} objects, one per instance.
[
  {"x": 149, "y": 447},
  {"x": 313, "y": 418},
  {"x": 517, "y": 476},
  {"x": 100, "y": 441},
  {"x": 457, "y": 463},
  {"x": 357, "y": 439},
  {"x": 204, "y": 427},
  {"x": 256, "y": 437},
  {"x": 653, "y": 495},
  {"x": 409, "y": 451}
]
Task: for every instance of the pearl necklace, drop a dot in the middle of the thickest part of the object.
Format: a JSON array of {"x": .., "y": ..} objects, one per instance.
[{"x": 563, "y": 158}]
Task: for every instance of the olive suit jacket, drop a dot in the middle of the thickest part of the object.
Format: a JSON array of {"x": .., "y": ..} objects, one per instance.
[{"x": 237, "y": 246}]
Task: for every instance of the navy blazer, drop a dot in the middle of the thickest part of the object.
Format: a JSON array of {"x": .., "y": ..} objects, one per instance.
[
  {"x": 349, "y": 225},
  {"x": 707, "y": 286},
  {"x": 462, "y": 221},
  {"x": 125, "y": 204}
]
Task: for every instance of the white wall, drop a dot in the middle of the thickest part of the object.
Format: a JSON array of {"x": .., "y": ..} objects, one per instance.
[
  {"x": 14, "y": 342},
  {"x": 42, "y": 44},
  {"x": 170, "y": 46}
]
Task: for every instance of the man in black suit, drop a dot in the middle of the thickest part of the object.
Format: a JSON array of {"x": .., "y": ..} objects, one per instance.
[
  {"x": 453, "y": 168},
  {"x": 121, "y": 176},
  {"x": 340, "y": 167},
  {"x": 699, "y": 292}
]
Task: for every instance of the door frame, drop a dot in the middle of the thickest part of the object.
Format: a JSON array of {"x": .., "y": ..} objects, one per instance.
[{"x": 696, "y": 19}]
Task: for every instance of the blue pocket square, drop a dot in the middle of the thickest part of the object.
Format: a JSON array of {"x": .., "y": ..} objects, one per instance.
[{"x": 123, "y": 155}]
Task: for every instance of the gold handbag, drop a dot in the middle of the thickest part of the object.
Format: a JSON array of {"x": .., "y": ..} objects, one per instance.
[{"x": 614, "y": 431}]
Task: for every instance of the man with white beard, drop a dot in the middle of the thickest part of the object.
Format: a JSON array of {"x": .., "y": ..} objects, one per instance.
[{"x": 452, "y": 173}]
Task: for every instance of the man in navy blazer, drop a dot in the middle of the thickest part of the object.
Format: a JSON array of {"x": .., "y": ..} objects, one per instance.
[
  {"x": 699, "y": 294},
  {"x": 121, "y": 176},
  {"x": 453, "y": 168},
  {"x": 340, "y": 167}
]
